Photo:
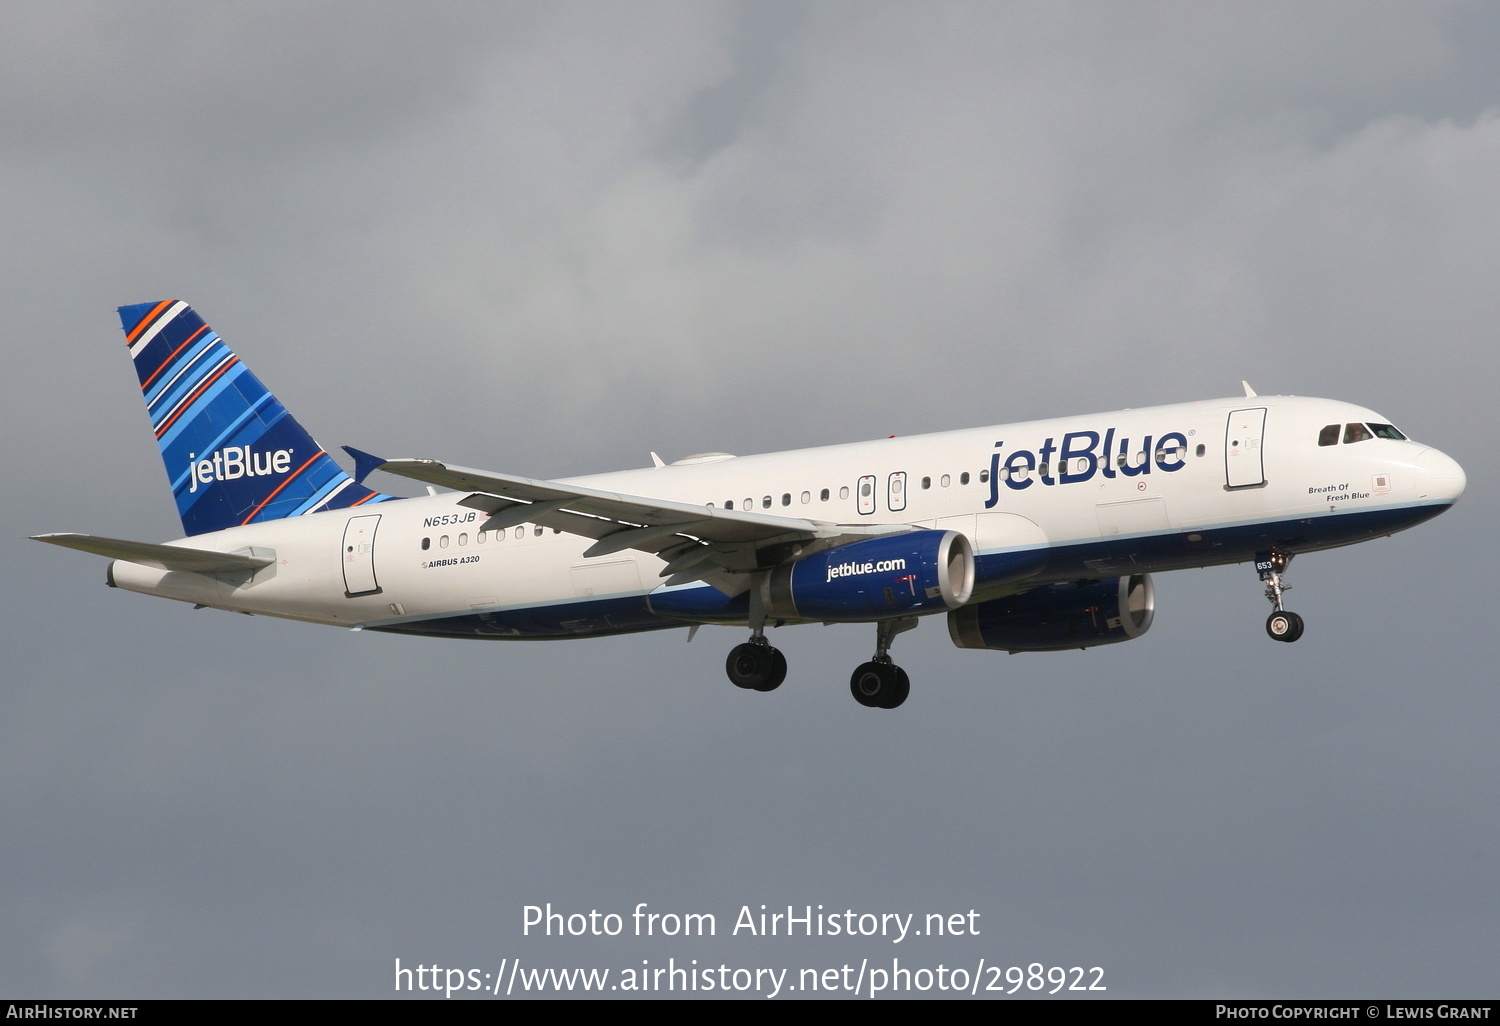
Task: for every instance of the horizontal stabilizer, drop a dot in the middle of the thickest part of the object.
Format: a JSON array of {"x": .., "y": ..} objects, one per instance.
[{"x": 163, "y": 557}]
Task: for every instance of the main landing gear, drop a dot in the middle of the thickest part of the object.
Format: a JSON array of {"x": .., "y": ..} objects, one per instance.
[
  {"x": 1281, "y": 624},
  {"x": 880, "y": 683},
  {"x": 755, "y": 665}
]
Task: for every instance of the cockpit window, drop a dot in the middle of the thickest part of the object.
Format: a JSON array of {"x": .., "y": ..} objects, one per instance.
[
  {"x": 1387, "y": 431},
  {"x": 1356, "y": 433},
  {"x": 1329, "y": 435}
]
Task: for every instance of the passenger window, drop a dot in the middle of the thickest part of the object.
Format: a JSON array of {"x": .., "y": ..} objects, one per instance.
[
  {"x": 426, "y": 544},
  {"x": 537, "y": 530},
  {"x": 786, "y": 498},
  {"x": 844, "y": 492},
  {"x": 1202, "y": 448},
  {"x": 864, "y": 489},
  {"x": 729, "y": 504},
  {"x": 1387, "y": 431},
  {"x": 926, "y": 483},
  {"x": 1356, "y": 433},
  {"x": 1329, "y": 435},
  {"x": 765, "y": 502},
  {"x": 463, "y": 539},
  {"x": 945, "y": 481},
  {"x": 963, "y": 478},
  {"x": 984, "y": 476},
  {"x": 520, "y": 532},
  {"x": 749, "y": 503},
  {"x": 806, "y": 498},
  {"x": 823, "y": 495},
  {"x": 443, "y": 542},
  {"x": 479, "y": 537}
]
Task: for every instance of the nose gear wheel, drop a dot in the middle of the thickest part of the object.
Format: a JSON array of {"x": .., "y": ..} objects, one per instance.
[{"x": 1281, "y": 625}]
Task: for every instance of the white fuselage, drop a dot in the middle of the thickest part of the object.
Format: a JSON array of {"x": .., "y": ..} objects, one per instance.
[{"x": 1237, "y": 477}]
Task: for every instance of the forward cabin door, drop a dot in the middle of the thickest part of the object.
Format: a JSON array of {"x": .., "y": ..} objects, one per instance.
[
  {"x": 359, "y": 555},
  {"x": 1244, "y": 466}
]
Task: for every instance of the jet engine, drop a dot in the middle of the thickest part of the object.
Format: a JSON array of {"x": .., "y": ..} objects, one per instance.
[
  {"x": 1076, "y": 614},
  {"x": 886, "y": 576}
]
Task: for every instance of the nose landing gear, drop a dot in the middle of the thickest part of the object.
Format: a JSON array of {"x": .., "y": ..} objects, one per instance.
[{"x": 1281, "y": 625}]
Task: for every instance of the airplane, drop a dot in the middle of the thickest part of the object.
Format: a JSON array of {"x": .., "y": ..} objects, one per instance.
[{"x": 1029, "y": 537}]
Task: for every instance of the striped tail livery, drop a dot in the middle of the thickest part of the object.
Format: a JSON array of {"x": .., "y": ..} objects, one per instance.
[{"x": 233, "y": 453}]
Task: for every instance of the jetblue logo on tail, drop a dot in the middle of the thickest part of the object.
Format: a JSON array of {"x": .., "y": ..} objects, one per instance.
[
  {"x": 236, "y": 461},
  {"x": 247, "y": 459}
]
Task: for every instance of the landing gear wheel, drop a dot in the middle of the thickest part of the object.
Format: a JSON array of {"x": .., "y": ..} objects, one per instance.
[
  {"x": 777, "y": 674},
  {"x": 1284, "y": 626},
  {"x": 868, "y": 684},
  {"x": 901, "y": 690},
  {"x": 755, "y": 667},
  {"x": 879, "y": 685}
]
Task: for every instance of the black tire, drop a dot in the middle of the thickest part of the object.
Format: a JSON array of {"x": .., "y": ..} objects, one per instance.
[
  {"x": 899, "y": 691},
  {"x": 776, "y": 674},
  {"x": 867, "y": 684},
  {"x": 749, "y": 666},
  {"x": 1284, "y": 626},
  {"x": 879, "y": 685}
]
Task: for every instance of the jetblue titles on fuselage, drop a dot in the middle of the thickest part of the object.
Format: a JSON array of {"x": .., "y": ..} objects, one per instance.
[{"x": 1079, "y": 457}]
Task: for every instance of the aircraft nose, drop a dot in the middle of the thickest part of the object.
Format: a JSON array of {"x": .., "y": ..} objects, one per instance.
[{"x": 1442, "y": 477}]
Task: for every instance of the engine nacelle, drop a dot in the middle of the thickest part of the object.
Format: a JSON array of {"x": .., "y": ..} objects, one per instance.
[
  {"x": 885, "y": 576},
  {"x": 1077, "y": 614}
]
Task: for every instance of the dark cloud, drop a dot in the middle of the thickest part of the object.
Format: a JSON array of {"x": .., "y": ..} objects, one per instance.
[{"x": 550, "y": 240}]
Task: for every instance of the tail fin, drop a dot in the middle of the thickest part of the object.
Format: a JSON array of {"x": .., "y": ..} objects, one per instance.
[{"x": 233, "y": 454}]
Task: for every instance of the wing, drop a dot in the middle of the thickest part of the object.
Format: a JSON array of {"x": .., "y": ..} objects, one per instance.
[{"x": 697, "y": 542}]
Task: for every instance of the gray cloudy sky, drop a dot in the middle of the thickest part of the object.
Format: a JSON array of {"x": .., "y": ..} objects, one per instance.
[{"x": 549, "y": 238}]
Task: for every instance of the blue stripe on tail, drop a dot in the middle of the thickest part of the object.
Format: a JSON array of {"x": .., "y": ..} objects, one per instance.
[{"x": 233, "y": 454}]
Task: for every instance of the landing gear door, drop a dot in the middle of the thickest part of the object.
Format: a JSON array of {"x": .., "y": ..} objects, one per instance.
[
  {"x": 1243, "y": 463},
  {"x": 359, "y": 556}
]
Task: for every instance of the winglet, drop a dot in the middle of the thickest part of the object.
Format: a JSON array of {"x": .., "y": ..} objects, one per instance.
[
  {"x": 1249, "y": 392},
  {"x": 655, "y": 459},
  {"x": 364, "y": 463}
]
